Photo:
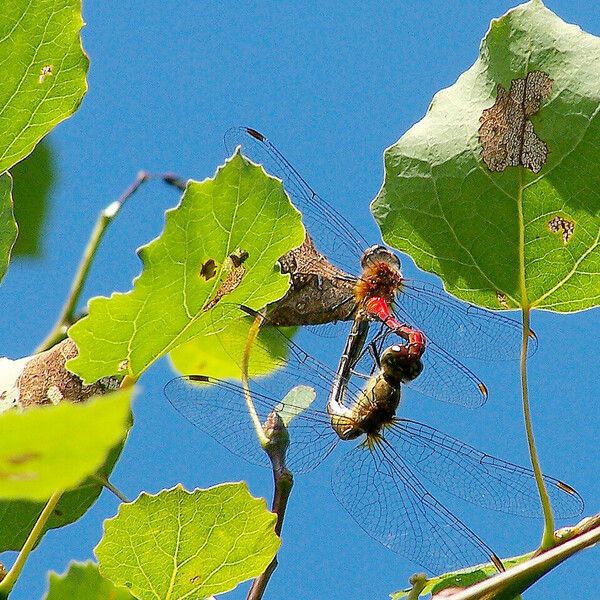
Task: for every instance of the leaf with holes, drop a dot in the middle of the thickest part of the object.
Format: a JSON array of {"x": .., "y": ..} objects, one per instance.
[
  {"x": 497, "y": 188},
  {"x": 83, "y": 582},
  {"x": 53, "y": 448},
  {"x": 221, "y": 243},
  {"x": 179, "y": 544},
  {"x": 43, "y": 72}
]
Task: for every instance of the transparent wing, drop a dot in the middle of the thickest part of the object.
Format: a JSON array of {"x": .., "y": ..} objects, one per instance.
[
  {"x": 477, "y": 477},
  {"x": 218, "y": 409},
  {"x": 443, "y": 377},
  {"x": 459, "y": 327},
  {"x": 334, "y": 236},
  {"x": 378, "y": 489}
]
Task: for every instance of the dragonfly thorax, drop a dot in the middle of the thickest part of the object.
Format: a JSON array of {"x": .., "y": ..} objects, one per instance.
[{"x": 374, "y": 409}]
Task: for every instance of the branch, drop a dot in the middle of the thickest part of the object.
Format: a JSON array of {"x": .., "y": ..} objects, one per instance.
[
  {"x": 67, "y": 316},
  {"x": 283, "y": 483},
  {"x": 516, "y": 580}
]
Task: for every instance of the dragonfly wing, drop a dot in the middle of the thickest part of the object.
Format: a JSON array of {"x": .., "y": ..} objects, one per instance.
[
  {"x": 218, "y": 409},
  {"x": 445, "y": 378},
  {"x": 334, "y": 236},
  {"x": 378, "y": 489},
  {"x": 477, "y": 477},
  {"x": 461, "y": 328}
]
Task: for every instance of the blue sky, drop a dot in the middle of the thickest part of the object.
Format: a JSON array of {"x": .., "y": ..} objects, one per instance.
[{"x": 332, "y": 84}]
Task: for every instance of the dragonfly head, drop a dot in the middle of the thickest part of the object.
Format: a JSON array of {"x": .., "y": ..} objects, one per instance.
[
  {"x": 397, "y": 366},
  {"x": 378, "y": 254}
]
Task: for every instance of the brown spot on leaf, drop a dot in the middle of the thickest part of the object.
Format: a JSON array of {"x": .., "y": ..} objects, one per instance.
[
  {"x": 236, "y": 271},
  {"x": 506, "y": 134},
  {"x": 195, "y": 579},
  {"x": 561, "y": 225},
  {"x": 20, "y": 459},
  {"x": 239, "y": 257},
  {"x": 502, "y": 301},
  {"x": 11, "y": 476},
  {"x": 208, "y": 269}
]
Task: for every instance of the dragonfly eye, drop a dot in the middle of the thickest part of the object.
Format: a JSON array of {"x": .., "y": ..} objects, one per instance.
[
  {"x": 398, "y": 364},
  {"x": 378, "y": 254}
]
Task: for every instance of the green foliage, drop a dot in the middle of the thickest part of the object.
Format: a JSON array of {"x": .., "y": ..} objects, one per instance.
[
  {"x": 53, "y": 448},
  {"x": 83, "y": 582},
  {"x": 8, "y": 227},
  {"x": 178, "y": 544},
  {"x": 488, "y": 230},
  {"x": 295, "y": 402},
  {"x": 219, "y": 352},
  {"x": 460, "y": 578},
  {"x": 46, "y": 84},
  {"x": 240, "y": 209},
  {"x": 33, "y": 178},
  {"x": 17, "y": 517}
]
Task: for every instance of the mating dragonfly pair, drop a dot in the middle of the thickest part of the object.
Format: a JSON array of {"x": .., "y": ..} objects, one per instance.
[{"x": 377, "y": 481}]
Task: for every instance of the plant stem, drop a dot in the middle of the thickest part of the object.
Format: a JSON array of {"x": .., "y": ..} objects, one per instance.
[
  {"x": 106, "y": 217},
  {"x": 7, "y": 584},
  {"x": 507, "y": 585},
  {"x": 283, "y": 483},
  {"x": 548, "y": 534},
  {"x": 111, "y": 488}
]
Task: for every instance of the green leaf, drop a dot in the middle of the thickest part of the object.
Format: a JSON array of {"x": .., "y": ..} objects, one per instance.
[
  {"x": 17, "y": 517},
  {"x": 295, "y": 402},
  {"x": 178, "y": 544},
  {"x": 8, "y": 227},
  {"x": 241, "y": 210},
  {"x": 461, "y": 578},
  {"x": 83, "y": 582},
  {"x": 221, "y": 356},
  {"x": 500, "y": 235},
  {"x": 43, "y": 72},
  {"x": 33, "y": 179},
  {"x": 53, "y": 448}
]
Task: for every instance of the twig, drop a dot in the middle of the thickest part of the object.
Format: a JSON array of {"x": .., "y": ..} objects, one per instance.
[
  {"x": 111, "y": 488},
  {"x": 517, "y": 579},
  {"x": 283, "y": 483},
  {"x": 106, "y": 217},
  {"x": 7, "y": 584}
]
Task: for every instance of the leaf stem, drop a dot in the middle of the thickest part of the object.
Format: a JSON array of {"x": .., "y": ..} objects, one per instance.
[
  {"x": 7, "y": 584},
  {"x": 67, "y": 315},
  {"x": 111, "y": 488},
  {"x": 252, "y": 334},
  {"x": 548, "y": 534}
]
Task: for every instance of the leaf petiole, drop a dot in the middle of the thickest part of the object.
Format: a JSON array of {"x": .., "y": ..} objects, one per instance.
[{"x": 7, "y": 584}]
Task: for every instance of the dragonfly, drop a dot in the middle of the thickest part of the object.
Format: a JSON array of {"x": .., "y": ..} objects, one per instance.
[
  {"x": 379, "y": 480},
  {"x": 419, "y": 312}
]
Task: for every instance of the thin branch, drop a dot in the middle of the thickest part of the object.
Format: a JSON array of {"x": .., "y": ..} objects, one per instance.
[
  {"x": 67, "y": 316},
  {"x": 517, "y": 579},
  {"x": 111, "y": 488},
  {"x": 283, "y": 483},
  {"x": 7, "y": 584}
]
